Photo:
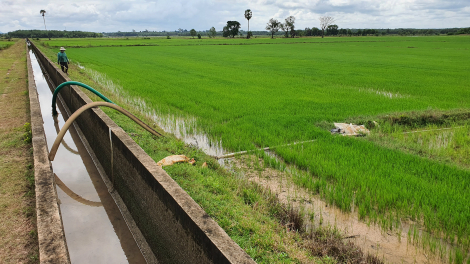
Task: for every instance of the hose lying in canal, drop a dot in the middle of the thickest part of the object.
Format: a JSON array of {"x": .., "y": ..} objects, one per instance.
[{"x": 82, "y": 109}]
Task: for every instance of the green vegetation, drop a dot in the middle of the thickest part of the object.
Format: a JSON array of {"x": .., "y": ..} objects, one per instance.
[
  {"x": 188, "y": 41},
  {"x": 52, "y": 34},
  {"x": 5, "y": 44},
  {"x": 18, "y": 235},
  {"x": 446, "y": 144},
  {"x": 250, "y": 96},
  {"x": 250, "y": 214}
]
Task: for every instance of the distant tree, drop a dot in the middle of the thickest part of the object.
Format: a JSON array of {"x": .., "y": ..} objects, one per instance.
[
  {"x": 273, "y": 26},
  {"x": 286, "y": 29},
  {"x": 332, "y": 30},
  {"x": 324, "y": 23},
  {"x": 307, "y": 32},
  {"x": 248, "y": 15},
  {"x": 52, "y": 33},
  {"x": 199, "y": 36},
  {"x": 225, "y": 32},
  {"x": 212, "y": 32},
  {"x": 193, "y": 32},
  {"x": 43, "y": 12},
  {"x": 289, "y": 26},
  {"x": 315, "y": 31},
  {"x": 249, "y": 34},
  {"x": 231, "y": 29},
  {"x": 359, "y": 33},
  {"x": 349, "y": 32}
]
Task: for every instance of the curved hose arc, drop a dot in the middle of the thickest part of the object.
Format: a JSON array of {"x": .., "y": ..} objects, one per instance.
[
  {"x": 82, "y": 109},
  {"x": 62, "y": 85},
  {"x": 57, "y": 130},
  {"x": 73, "y": 195}
]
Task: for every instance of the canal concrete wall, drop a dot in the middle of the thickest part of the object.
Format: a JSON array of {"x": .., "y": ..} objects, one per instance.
[
  {"x": 51, "y": 237},
  {"x": 175, "y": 227}
]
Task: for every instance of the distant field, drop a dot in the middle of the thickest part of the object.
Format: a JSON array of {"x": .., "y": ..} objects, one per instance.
[
  {"x": 265, "y": 95},
  {"x": 187, "y": 41}
]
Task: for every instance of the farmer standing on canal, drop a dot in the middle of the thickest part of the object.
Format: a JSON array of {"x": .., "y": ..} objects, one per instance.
[{"x": 63, "y": 60}]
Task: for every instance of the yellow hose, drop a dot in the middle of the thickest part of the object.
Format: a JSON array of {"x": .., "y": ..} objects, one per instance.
[
  {"x": 82, "y": 109},
  {"x": 57, "y": 129}
]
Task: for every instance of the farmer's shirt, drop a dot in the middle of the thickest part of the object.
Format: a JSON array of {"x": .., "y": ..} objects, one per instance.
[{"x": 62, "y": 57}]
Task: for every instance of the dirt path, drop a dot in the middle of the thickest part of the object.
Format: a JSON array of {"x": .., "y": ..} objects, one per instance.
[
  {"x": 370, "y": 238},
  {"x": 18, "y": 236}
]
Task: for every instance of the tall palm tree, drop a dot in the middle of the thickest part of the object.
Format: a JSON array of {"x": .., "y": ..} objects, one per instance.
[
  {"x": 248, "y": 15},
  {"x": 42, "y": 12}
]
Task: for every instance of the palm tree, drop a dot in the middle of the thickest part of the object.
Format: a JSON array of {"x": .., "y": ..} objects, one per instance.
[
  {"x": 248, "y": 15},
  {"x": 42, "y": 12}
]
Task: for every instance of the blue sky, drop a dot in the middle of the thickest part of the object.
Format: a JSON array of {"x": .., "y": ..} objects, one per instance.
[{"x": 107, "y": 16}]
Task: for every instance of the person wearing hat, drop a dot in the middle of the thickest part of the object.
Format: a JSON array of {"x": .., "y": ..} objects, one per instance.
[{"x": 63, "y": 60}]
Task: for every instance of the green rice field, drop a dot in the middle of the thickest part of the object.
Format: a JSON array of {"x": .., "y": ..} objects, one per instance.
[
  {"x": 5, "y": 44},
  {"x": 250, "y": 96},
  {"x": 188, "y": 41}
]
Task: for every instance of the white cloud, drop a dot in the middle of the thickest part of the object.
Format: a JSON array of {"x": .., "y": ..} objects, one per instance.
[{"x": 106, "y": 16}]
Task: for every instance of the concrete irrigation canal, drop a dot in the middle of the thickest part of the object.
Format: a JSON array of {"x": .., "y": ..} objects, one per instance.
[{"x": 103, "y": 199}]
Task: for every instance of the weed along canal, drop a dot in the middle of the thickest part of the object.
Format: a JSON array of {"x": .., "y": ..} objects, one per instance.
[{"x": 95, "y": 229}]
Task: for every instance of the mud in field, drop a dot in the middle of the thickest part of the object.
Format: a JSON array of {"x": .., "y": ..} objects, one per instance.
[{"x": 370, "y": 238}]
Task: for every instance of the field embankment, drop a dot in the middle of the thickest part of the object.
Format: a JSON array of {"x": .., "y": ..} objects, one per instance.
[{"x": 18, "y": 235}]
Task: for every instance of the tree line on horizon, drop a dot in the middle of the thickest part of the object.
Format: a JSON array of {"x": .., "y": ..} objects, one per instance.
[
  {"x": 36, "y": 33},
  {"x": 232, "y": 29},
  {"x": 314, "y": 31}
]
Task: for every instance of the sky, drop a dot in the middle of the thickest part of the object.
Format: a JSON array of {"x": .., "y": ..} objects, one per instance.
[{"x": 112, "y": 16}]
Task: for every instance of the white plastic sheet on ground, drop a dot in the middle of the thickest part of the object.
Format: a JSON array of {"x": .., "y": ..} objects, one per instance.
[
  {"x": 350, "y": 129},
  {"x": 170, "y": 160}
]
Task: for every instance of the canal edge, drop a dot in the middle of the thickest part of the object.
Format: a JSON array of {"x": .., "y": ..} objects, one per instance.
[{"x": 51, "y": 236}]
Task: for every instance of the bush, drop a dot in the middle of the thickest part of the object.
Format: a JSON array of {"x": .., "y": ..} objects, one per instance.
[
  {"x": 28, "y": 134},
  {"x": 199, "y": 35}
]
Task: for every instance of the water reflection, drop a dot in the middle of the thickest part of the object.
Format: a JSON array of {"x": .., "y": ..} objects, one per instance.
[{"x": 73, "y": 195}]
